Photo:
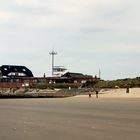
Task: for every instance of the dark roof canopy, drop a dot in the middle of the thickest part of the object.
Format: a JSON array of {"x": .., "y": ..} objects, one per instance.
[
  {"x": 15, "y": 71},
  {"x": 76, "y": 75}
]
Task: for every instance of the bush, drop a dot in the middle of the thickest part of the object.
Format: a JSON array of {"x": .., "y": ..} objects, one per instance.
[
  {"x": 122, "y": 83},
  {"x": 57, "y": 85},
  {"x": 40, "y": 86}
]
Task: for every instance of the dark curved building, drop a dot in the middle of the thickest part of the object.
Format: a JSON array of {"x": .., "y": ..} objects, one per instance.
[{"x": 15, "y": 71}]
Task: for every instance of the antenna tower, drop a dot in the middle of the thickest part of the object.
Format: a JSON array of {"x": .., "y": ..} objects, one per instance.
[{"x": 53, "y": 53}]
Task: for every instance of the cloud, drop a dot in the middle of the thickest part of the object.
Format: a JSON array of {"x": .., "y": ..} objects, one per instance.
[
  {"x": 38, "y": 13},
  {"x": 81, "y": 30},
  {"x": 5, "y": 16},
  {"x": 61, "y": 14}
]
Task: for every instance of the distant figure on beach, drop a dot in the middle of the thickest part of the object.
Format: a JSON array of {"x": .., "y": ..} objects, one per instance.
[
  {"x": 127, "y": 89},
  {"x": 89, "y": 93},
  {"x": 97, "y": 92}
]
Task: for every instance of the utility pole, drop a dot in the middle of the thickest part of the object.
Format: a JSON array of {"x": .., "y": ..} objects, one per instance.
[{"x": 52, "y": 54}]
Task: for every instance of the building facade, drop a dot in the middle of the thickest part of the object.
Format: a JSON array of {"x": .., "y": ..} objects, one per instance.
[{"x": 20, "y": 76}]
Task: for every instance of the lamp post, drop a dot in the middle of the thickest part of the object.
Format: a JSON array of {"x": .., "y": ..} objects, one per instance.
[{"x": 52, "y": 54}]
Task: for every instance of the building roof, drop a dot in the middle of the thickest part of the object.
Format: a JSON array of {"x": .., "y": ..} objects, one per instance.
[
  {"x": 15, "y": 71},
  {"x": 76, "y": 75}
]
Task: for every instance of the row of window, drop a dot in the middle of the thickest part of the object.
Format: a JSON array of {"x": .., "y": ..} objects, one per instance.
[{"x": 12, "y": 80}]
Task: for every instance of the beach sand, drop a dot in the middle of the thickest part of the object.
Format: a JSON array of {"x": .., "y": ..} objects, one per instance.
[
  {"x": 115, "y": 115},
  {"x": 116, "y": 93}
]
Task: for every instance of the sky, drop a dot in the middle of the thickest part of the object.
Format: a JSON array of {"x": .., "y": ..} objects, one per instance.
[{"x": 87, "y": 36}]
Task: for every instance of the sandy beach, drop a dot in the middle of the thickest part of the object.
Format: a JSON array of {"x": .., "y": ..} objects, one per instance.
[
  {"x": 113, "y": 116},
  {"x": 116, "y": 93}
]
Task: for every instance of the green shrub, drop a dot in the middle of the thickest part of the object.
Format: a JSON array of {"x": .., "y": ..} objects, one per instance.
[
  {"x": 57, "y": 85},
  {"x": 40, "y": 86},
  {"x": 122, "y": 83}
]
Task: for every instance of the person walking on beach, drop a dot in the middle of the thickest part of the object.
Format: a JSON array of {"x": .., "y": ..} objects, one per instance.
[
  {"x": 89, "y": 94},
  {"x": 127, "y": 89},
  {"x": 97, "y": 92}
]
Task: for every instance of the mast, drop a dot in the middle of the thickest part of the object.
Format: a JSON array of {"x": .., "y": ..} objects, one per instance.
[{"x": 53, "y": 53}]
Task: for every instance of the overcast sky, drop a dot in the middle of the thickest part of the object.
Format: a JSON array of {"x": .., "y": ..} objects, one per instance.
[{"x": 88, "y": 35}]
